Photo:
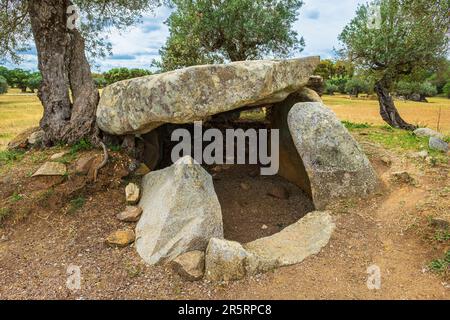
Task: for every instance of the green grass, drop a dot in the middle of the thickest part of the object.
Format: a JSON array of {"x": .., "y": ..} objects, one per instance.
[
  {"x": 441, "y": 265},
  {"x": 351, "y": 125},
  {"x": 46, "y": 194},
  {"x": 397, "y": 139},
  {"x": 16, "y": 197},
  {"x": 18, "y": 112},
  {"x": 114, "y": 148},
  {"x": 4, "y": 213},
  {"x": 435, "y": 114},
  {"x": 76, "y": 204},
  {"x": 67, "y": 158},
  {"x": 442, "y": 235},
  {"x": 82, "y": 145},
  {"x": 8, "y": 157}
]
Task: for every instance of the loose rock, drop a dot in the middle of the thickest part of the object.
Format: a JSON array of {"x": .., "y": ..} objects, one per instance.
[
  {"x": 132, "y": 193},
  {"x": 426, "y": 132},
  {"x": 21, "y": 140},
  {"x": 296, "y": 242},
  {"x": 84, "y": 164},
  {"x": 421, "y": 154},
  {"x": 225, "y": 260},
  {"x": 190, "y": 266},
  {"x": 131, "y": 214},
  {"x": 51, "y": 169},
  {"x": 438, "y": 144},
  {"x": 36, "y": 137},
  {"x": 58, "y": 155},
  {"x": 403, "y": 177},
  {"x": 121, "y": 238},
  {"x": 244, "y": 186}
]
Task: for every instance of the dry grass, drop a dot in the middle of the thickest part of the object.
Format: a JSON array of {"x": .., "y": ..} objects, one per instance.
[
  {"x": 17, "y": 113},
  {"x": 22, "y": 111},
  {"x": 367, "y": 111}
]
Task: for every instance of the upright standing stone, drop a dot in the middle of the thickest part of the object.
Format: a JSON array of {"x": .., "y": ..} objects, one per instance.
[
  {"x": 291, "y": 166},
  {"x": 181, "y": 212},
  {"x": 334, "y": 162}
]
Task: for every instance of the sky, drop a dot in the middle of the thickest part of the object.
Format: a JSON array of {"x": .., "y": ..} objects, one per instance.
[{"x": 319, "y": 22}]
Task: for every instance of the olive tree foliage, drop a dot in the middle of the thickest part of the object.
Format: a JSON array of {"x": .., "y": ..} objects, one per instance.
[
  {"x": 410, "y": 36},
  {"x": 214, "y": 31},
  {"x": 62, "y": 55},
  {"x": 96, "y": 17}
]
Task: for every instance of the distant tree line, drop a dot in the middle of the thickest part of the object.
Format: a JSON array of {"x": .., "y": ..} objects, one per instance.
[
  {"x": 340, "y": 77},
  {"x": 118, "y": 74},
  {"x": 19, "y": 78},
  {"x": 27, "y": 80}
]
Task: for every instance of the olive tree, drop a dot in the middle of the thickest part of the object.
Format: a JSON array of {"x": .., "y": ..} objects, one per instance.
[
  {"x": 62, "y": 49},
  {"x": 402, "y": 37},
  {"x": 213, "y": 31}
]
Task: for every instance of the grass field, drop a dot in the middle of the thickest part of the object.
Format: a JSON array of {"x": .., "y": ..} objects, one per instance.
[
  {"x": 21, "y": 111},
  {"x": 17, "y": 113},
  {"x": 367, "y": 111}
]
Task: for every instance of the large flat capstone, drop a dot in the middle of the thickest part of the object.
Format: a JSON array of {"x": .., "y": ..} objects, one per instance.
[{"x": 140, "y": 105}]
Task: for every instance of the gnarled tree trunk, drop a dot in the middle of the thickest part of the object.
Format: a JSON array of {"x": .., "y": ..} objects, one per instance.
[
  {"x": 63, "y": 64},
  {"x": 388, "y": 111}
]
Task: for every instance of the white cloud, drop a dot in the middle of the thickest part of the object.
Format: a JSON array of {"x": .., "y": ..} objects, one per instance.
[
  {"x": 321, "y": 34},
  {"x": 319, "y": 22}
]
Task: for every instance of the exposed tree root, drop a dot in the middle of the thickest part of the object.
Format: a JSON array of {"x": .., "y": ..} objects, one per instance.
[{"x": 103, "y": 163}]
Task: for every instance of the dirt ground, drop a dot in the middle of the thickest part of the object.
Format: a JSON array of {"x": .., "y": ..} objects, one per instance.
[{"x": 45, "y": 232}]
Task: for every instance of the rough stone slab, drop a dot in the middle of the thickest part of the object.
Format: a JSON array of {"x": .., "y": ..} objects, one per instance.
[
  {"x": 21, "y": 140},
  {"x": 225, "y": 260},
  {"x": 438, "y": 144},
  {"x": 120, "y": 238},
  {"x": 132, "y": 193},
  {"x": 296, "y": 242},
  {"x": 181, "y": 212},
  {"x": 51, "y": 169},
  {"x": 190, "y": 266},
  {"x": 427, "y": 132},
  {"x": 140, "y": 105},
  {"x": 334, "y": 162},
  {"x": 290, "y": 164},
  {"x": 59, "y": 155},
  {"x": 130, "y": 214}
]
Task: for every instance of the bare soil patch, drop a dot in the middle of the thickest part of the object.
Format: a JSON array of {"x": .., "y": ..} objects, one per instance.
[
  {"x": 49, "y": 228},
  {"x": 249, "y": 211}
]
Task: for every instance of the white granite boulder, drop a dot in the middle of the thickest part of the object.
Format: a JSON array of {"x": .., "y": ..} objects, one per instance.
[
  {"x": 181, "y": 212},
  {"x": 334, "y": 162}
]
